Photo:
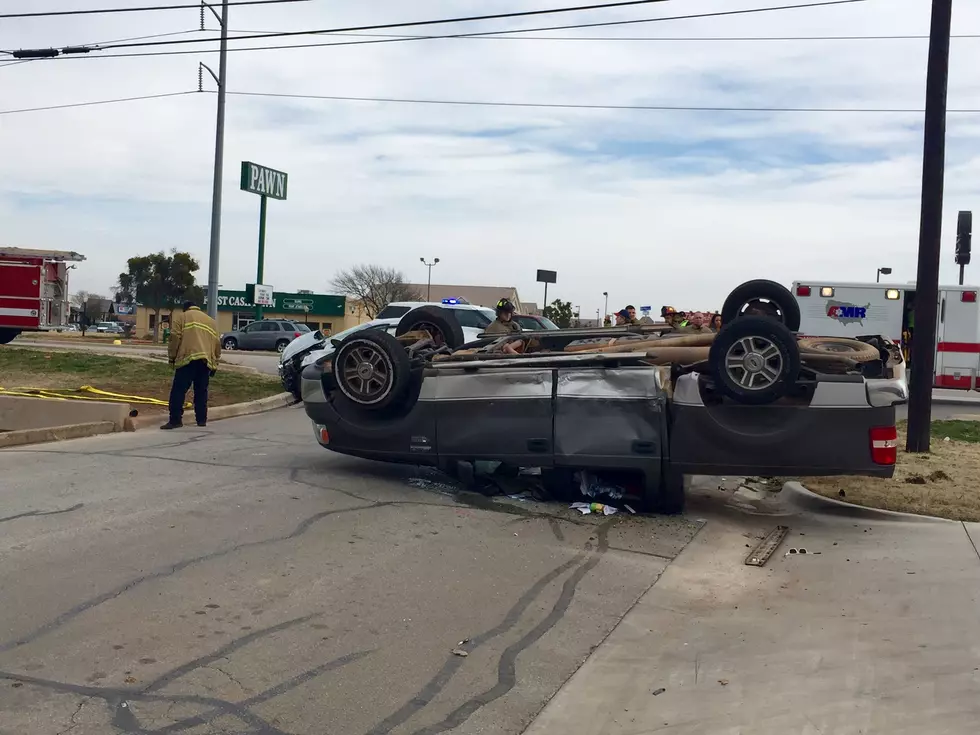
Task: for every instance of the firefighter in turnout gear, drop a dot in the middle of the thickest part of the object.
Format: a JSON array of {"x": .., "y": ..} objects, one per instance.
[
  {"x": 194, "y": 351},
  {"x": 504, "y": 323}
]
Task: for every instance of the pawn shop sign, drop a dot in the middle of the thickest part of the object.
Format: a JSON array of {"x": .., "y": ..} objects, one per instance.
[
  {"x": 268, "y": 184},
  {"x": 264, "y": 181}
]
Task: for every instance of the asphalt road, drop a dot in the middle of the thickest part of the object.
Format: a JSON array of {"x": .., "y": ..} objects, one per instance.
[
  {"x": 264, "y": 362},
  {"x": 240, "y": 579}
]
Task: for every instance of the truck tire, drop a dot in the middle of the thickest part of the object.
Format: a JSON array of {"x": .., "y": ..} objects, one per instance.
[
  {"x": 382, "y": 423},
  {"x": 371, "y": 369},
  {"x": 850, "y": 349},
  {"x": 754, "y": 360},
  {"x": 762, "y": 296},
  {"x": 7, "y": 335},
  {"x": 440, "y": 323}
]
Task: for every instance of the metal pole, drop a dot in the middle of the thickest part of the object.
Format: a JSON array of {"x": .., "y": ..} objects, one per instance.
[
  {"x": 260, "y": 271},
  {"x": 219, "y": 162},
  {"x": 962, "y": 269},
  {"x": 545, "y": 296},
  {"x": 606, "y": 307},
  {"x": 428, "y": 285},
  {"x": 923, "y": 351},
  {"x": 878, "y": 276}
]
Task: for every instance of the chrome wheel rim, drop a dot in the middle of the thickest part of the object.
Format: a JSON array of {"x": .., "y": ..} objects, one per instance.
[
  {"x": 754, "y": 363},
  {"x": 367, "y": 373}
]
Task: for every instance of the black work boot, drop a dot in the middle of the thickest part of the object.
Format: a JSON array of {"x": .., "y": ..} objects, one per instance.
[{"x": 171, "y": 425}]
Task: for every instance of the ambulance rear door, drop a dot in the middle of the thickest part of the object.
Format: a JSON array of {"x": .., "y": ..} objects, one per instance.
[{"x": 958, "y": 338}]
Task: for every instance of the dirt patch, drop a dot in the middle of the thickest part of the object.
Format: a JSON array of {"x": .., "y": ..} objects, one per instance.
[
  {"x": 942, "y": 483},
  {"x": 24, "y": 368}
]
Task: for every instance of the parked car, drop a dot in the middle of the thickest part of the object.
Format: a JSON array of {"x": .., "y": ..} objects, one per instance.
[
  {"x": 752, "y": 399},
  {"x": 264, "y": 334},
  {"x": 309, "y": 348},
  {"x": 534, "y": 322},
  {"x": 109, "y": 328}
]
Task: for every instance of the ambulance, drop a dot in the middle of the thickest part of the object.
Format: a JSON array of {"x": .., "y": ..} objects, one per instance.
[{"x": 834, "y": 309}]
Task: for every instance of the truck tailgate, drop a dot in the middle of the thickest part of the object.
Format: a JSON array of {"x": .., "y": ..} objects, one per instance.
[{"x": 834, "y": 434}]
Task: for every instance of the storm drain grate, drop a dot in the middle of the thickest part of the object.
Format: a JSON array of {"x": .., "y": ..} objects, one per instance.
[{"x": 765, "y": 548}]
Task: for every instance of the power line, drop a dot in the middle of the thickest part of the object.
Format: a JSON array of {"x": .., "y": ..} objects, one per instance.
[
  {"x": 488, "y": 37},
  {"x": 482, "y": 34},
  {"x": 486, "y": 103},
  {"x": 477, "y": 37},
  {"x": 142, "y": 9},
  {"x": 570, "y": 106},
  {"x": 95, "y": 103},
  {"x": 409, "y": 24},
  {"x": 93, "y": 45}
]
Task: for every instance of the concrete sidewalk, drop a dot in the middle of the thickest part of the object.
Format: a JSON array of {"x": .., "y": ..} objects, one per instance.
[{"x": 875, "y": 630}]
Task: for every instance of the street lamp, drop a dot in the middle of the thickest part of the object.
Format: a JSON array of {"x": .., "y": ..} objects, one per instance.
[
  {"x": 430, "y": 266},
  {"x": 882, "y": 272},
  {"x": 606, "y": 294}
]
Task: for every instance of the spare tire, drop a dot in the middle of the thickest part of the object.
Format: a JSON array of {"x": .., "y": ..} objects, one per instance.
[
  {"x": 439, "y": 323},
  {"x": 371, "y": 369},
  {"x": 850, "y": 349},
  {"x": 762, "y": 298},
  {"x": 754, "y": 360}
]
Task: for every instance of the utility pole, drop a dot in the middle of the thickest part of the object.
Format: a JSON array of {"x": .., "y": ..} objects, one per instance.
[
  {"x": 219, "y": 162},
  {"x": 923, "y": 352},
  {"x": 606, "y": 294},
  {"x": 428, "y": 287}
]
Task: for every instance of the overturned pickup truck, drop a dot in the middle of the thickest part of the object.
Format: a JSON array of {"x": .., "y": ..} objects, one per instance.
[{"x": 647, "y": 406}]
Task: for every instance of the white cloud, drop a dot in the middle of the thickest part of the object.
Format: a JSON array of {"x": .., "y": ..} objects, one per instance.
[{"x": 655, "y": 207}]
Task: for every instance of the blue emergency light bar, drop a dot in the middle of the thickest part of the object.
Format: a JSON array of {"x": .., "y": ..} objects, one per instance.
[{"x": 455, "y": 301}]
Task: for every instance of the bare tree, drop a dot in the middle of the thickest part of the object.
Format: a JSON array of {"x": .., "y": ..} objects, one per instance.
[{"x": 374, "y": 286}]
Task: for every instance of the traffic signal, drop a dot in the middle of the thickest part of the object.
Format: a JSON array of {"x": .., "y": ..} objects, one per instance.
[{"x": 964, "y": 237}]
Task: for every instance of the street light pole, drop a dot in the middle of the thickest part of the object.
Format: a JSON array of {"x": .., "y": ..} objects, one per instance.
[
  {"x": 428, "y": 287},
  {"x": 219, "y": 162},
  {"x": 606, "y": 294},
  {"x": 882, "y": 272},
  {"x": 923, "y": 352}
]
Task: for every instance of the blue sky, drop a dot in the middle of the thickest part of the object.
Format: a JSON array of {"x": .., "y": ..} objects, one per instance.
[{"x": 652, "y": 206}]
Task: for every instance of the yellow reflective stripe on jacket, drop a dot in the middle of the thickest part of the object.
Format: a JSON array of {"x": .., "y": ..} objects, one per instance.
[{"x": 198, "y": 325}]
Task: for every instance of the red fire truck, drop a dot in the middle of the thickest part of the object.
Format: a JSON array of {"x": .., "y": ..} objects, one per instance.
[{"x": 33, "y": 290}]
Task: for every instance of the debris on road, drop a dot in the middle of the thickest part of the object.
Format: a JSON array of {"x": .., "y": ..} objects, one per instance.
[
  {"x": 766, "y": 547},
  {"x": 658, "y": 692},
  {"x": 597, "y": 508},
  {"x": 723, "y": 682},
  {"x": 460, "y": 652}
]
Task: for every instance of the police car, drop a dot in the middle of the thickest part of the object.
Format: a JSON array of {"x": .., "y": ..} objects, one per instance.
[{"x": 308, "y": 348}]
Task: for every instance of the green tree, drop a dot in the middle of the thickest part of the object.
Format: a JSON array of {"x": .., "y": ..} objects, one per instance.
[
  {"x": 560, "y": 312},
  {"x": 159, "y": 281}
]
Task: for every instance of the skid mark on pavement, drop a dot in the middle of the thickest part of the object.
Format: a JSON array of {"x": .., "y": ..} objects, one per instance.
[
  {"x": 125, "y": 719},
  {"x": 37, "y": 513},
  {"x": 507, "y": 665},
  {"x": 442, "y": 678},
  {"x": 82, "y": 607}
]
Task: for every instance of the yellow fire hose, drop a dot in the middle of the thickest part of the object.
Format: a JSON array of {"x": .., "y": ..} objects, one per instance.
[{"x": 76, "y": 394}]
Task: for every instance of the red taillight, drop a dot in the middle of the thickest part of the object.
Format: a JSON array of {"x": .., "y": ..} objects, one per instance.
[
  {"x": 884, "y": 445},
  {"x": 324, "y": 436},
  {"x": 296, "y": 334},
  {"x": 802, "y": 290},
  {"x": 969, "y": 297}
]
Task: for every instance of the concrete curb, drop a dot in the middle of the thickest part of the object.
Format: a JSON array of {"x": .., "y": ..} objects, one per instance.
[
  {"x": 805, "y": 499},
  {"x": 55, "y": 433},
  {"x": 220, "y": 412}
]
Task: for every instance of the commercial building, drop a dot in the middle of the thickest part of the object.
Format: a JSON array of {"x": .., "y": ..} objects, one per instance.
[
  {"x": 477, "y": 295},
  {"x": 325, "y": 312}
]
